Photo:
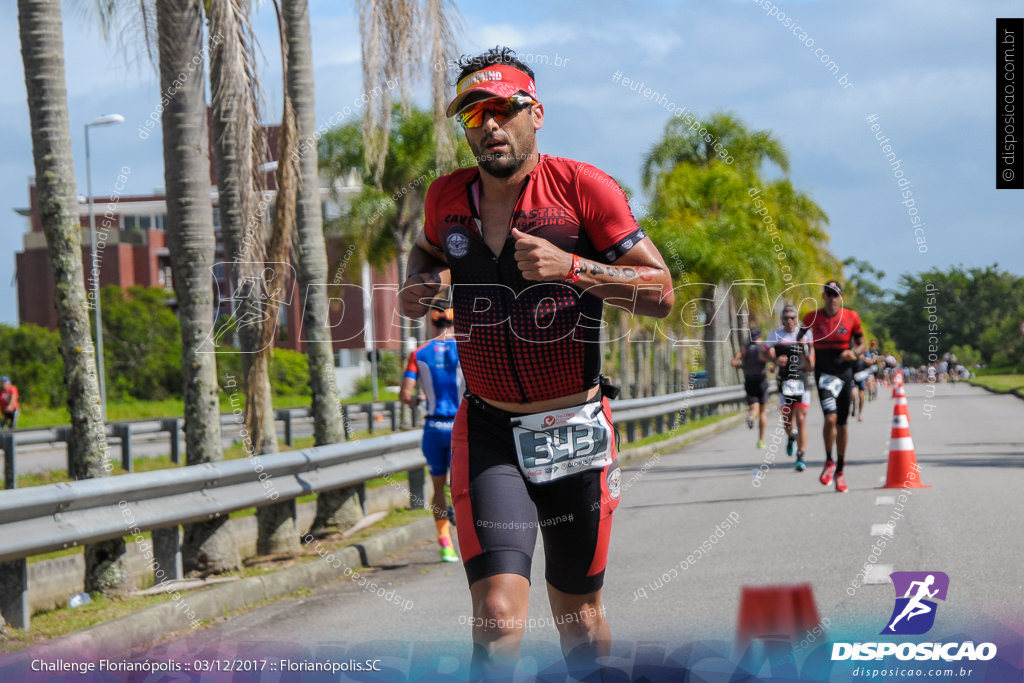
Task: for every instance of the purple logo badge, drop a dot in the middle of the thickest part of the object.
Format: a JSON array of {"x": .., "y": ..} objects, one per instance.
[{"x": 916, "y": 593}]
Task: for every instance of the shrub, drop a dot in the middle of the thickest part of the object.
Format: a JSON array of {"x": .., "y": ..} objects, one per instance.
[{"x": 30, "y": 355}]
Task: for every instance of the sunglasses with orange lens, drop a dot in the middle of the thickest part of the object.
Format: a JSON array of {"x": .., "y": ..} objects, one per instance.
[{"x": 501, "y": 109}]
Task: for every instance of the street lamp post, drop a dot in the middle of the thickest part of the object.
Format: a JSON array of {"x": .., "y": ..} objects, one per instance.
[{"x": 95, "y": 272}]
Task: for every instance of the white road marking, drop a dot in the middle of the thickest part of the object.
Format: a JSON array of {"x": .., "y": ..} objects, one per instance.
[
  {"x": 885, "y": 500},
  {"x": 878, "y": 574},
  {"x": 881, "y": 530}
]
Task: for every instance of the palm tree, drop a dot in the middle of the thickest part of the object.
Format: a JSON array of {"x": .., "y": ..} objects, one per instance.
[
  {"x": 42, "y": 48},
  {"x": 727, "y": 136},
  {"x": 441, "y": 25},
  {"x": 341, "y": 507},
  {"x": 389, "y": 38},
  {"x": 239, "y": 145},
  {"x": 278, "y": 522},
  {"x": 399, "y": 38},
  {"x": 703, "y": 206},
  {"x": 191, "y": 244},
  {"x": 381, "y": 223}
]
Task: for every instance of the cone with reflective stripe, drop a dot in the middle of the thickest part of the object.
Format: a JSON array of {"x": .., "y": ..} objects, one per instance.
[
  {"x": 897, "y": 383},
  {"x": 901, "y": 407},
  {"x": 903, "y": 472}
]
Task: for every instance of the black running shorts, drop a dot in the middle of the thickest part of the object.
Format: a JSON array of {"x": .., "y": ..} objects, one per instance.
[
  {"x": 503, "y": 510},
  {"x": 757, "y": 389},
  {"x": 839, "y": 404}
]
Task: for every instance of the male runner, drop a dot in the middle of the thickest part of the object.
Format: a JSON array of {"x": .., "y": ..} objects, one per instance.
[
  {"x": 532, "y": 244},
  {"x": 838, "y": 340},
  {"x": 859, "y": 390},
  {"x": 891, "y": 364},
  {"x": 873, "y": 358},
  {"x": 436, "y": 366},
  {"x": 9, "y": 408},
  {"x": 751, "y": 358},
  {"x": 794, "y": 360}
]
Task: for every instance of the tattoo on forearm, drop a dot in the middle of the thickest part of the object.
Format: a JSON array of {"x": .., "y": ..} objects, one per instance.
[{"x": 621, "y": 272}]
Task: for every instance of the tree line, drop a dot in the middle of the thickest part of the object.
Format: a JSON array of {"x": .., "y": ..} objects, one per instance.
[
  {"x": 974, "y": 313},
  {"x": 142, "y": 353}
]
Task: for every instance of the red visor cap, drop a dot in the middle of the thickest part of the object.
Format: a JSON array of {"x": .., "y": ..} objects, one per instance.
[{"x": 497, "y": 80}]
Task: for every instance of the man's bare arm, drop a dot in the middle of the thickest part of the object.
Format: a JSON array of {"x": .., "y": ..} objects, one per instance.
[
  {"x": 640, "y": 279},
  {"x": 428, "y": 275},
  {"x": 406, "y": 393}
]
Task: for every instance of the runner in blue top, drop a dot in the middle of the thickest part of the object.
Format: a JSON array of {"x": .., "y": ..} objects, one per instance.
[{"x": 436, "y": 366}]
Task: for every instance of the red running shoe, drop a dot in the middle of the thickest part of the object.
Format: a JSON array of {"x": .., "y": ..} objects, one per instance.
[
  {"x": 826, "y": 474},
  {"x": 840, "y": 483}
]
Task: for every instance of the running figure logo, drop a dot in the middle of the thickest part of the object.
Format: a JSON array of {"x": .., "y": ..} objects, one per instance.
[{"x": 914, "y": 613}]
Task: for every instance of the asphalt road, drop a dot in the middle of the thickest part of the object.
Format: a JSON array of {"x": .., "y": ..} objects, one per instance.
[{"x": 790, "y": 530}]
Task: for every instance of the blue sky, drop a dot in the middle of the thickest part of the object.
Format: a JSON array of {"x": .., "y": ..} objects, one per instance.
[{"x": 925, "y": 68}]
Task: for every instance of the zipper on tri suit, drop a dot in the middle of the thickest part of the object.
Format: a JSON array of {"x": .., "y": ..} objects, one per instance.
[{"x": 497, "y": 268}]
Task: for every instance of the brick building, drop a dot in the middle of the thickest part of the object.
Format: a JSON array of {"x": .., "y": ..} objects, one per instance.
[{"x": 132, "y": 250}]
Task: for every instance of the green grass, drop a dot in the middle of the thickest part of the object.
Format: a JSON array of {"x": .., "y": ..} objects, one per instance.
[
  {"x": 367, "y": 397},
  {"x": 672, "y": 433},
  {"x": 1008, "y": 370},
  {"x": 1000, "y": 382},
  {"x": 33, "y": 417}
]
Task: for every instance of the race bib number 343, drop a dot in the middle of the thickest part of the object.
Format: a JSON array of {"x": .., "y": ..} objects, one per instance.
[{"x": 563, "y": 442}]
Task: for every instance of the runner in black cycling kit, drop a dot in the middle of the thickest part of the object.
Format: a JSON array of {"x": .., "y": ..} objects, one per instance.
[
  {"x": 531, "y": 245},
  {"x": 752, "y": 358},
  {"x": 838, "y": 341}
]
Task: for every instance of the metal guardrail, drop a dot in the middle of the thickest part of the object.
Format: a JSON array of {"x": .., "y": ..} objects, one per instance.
[
  {"x": 126, "y": 432},
  {"x": 42, "y": 519},
  {"x": 649, "y": 415}
]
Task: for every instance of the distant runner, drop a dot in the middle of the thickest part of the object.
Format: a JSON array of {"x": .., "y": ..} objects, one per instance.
[
  {"x": 752, "y": 358},
  {"x": 861, "y": 373},
  {"x": 9, "y": 407},
  {"x": 873, "y": 358},
  {"x": 436, "y": 366},
  {"x": 838, "y": 340},
  {"x": 793, "y": 360}
]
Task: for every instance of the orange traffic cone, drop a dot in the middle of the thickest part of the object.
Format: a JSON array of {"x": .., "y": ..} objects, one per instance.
[
  {"x": 775, "y": 612},
  {"x": 897, "y": 383},
  {"x": 903, "y": 472},
  {"x": 901, "y": 407}
]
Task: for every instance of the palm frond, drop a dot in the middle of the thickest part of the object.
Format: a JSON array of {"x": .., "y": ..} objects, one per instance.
[
  {"x": 236, "y": 99},
  {"x": 442, "y": 23}
]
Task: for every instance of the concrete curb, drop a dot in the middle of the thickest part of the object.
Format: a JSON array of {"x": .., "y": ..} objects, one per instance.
[
  {"x": 153, "y": 623},
  {"x": 1019, "y": 393}
]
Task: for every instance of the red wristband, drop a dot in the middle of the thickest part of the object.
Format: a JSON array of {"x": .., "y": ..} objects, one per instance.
[{"x": 574, "y": 272}]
